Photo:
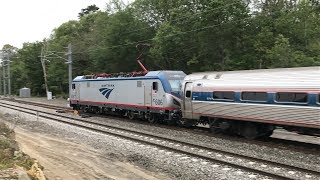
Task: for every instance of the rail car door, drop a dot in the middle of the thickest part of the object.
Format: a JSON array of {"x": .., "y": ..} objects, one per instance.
[
  {"x": 187, "y": 106},
  {"x": 147, "y": 94}
]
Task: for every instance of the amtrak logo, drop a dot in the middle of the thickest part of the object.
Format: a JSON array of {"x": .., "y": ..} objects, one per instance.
[{"x": 106, "y": 92}]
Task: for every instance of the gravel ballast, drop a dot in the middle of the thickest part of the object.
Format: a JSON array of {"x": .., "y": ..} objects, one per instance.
[{"x": 175, "y": 165}]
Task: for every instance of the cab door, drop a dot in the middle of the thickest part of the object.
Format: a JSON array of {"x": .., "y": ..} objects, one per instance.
[
  {"x": 75, "y": 91},
  {"x": 187, "y": 106},
  {"x": 147, "y": 94}
]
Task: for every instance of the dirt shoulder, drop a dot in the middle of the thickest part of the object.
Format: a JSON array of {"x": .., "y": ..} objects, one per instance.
[
  {"x": 63, "y": 159},
  {"x": 14, "y": 164}
]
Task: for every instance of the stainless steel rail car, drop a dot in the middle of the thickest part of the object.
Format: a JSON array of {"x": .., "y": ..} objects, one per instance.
[{"x": 252, "y": 103}]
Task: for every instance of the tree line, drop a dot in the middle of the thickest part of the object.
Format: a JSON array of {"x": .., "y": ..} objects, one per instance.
[{"x": 187, "y": 35}]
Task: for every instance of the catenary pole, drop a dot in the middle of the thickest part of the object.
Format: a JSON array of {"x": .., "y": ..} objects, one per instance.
[
  {"x": 4, "y": 77},
  {"x": 1, "y": 89},
  {"x": 43, "y": 59},
  {"x": 9, "y": 78},
  {"x": 1, "y": 79},
  {"x": 69, "y": 62}
]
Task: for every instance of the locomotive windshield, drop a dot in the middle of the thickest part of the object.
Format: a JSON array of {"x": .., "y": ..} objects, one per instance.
[
  {"x": 175, "y": 84},
  {"x": 172, "y": 80},
  {"x": 175, "y": 80}
]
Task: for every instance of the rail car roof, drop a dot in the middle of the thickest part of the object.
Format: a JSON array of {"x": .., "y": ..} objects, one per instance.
[
  {"x": 260, "y": 74},
  {"x": 292, "y": 79}
]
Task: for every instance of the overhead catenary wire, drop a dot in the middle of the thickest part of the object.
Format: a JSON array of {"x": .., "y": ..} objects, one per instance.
[
  {"x": 181, "y": 18},
  {"x": 185, "y": 17},
  {"x": 155, "y": 38}
]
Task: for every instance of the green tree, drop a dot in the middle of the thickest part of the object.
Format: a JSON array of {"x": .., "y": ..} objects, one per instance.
[
  {"x": 28, "y": 62},
  {"x": 88, "y": 10}
]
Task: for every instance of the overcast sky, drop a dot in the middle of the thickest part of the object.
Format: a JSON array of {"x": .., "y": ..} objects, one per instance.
[{"x": 33, "y": 20}]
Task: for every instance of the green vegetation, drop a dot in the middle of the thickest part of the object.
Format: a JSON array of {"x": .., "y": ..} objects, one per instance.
[
  {"x": 189, "y": 35},
  {"x": 9, "y": 154}
]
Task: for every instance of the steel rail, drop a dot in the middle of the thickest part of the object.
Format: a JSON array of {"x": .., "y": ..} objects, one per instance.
[{"x": 307, "y": 171}]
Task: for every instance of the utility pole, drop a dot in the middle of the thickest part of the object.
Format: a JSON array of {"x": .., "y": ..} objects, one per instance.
[
  {"x": 4, "y": 78},
  {"x": 5, "y": 56},
  {"x": 43, "y": 59},
  {"x": 69, "y": 62},
  {"x": 1, "y": 81},
  {"x": 53, "y": 54},
  {"x": 1, "y": 57},
  {"x": 9, "y": 79}
]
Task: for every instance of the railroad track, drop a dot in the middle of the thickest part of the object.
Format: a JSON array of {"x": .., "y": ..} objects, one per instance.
[
  {"x": 49, "y": 106},
  {"x": 254, "y": 165},
  {"x": 270, "y": 142}
]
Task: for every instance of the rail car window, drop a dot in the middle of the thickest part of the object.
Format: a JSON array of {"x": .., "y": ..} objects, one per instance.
[
  {"x": 73, "y": 86},
  {"x": 155, "y": 86},
  {"x": 229, "y": 95},
  {"x": 188, "y": 94},
  {"x": 291, "y": 97},
  {"x": 254, "y": 96}
]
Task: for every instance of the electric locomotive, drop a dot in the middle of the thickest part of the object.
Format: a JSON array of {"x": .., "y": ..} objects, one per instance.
[
  {"x": 252, "y": 103},
  {"x": 154, "y": 96}
]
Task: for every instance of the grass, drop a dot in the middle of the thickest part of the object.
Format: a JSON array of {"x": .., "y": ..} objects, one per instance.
[
  {"x": 6, "y": 152},
  {"x": 7, "y": 149}
]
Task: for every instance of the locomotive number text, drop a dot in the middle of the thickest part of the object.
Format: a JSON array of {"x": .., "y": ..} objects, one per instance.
[{"x": 158, "y": 102}]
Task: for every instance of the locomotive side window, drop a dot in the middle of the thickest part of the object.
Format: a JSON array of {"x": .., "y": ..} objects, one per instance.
[
  {"x": 139, "y": 83},
  {"x": 188, "y": 94},
  {"x": 229, "y": 95},
  {"x": 291, "y": 97},
  {"x": 155, "y": 86},
  {"x": 73, "y": 86},
  {"x": 254, "y": 96}
]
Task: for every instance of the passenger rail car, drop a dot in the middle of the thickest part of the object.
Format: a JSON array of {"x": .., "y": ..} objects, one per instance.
[
  {"x": 253, "y": 103},
  {"x": 154, "y": 97}
]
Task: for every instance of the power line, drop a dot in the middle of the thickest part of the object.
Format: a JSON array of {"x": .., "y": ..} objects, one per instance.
[
  {"x": 184, "y": 17},
  {"x": 155, "y": 38},
  {"x": 181, "y": 18}
]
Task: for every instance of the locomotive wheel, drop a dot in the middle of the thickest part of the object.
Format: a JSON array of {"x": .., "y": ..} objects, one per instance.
[
  {"x": 152, "y": 118},
  {"x": 98, "y": 110},
  {"x": 131, "y": 115},
  {"x": 86, "y": 109}
]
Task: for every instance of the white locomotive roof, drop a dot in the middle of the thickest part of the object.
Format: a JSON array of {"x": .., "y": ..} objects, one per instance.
[
  {"x": 78, "y": 78},
  {"x": 173, "y": 73},
  {"x": 152, "y": 74}
]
